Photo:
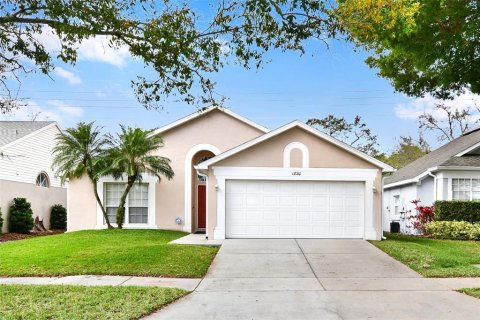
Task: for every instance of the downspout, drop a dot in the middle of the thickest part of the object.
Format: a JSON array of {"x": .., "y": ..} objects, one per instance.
[
  {"x": 434, "y": 185},
  {"x": 381, "y": 209}
]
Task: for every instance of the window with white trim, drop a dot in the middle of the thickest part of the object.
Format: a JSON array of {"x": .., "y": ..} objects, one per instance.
[
  {"x": 465, "y": 189},
  {"x": 138, "y": 204},
  {"x": 42, "y": 180},
  {"x": 113, "y": 193},
  {"x": 396, "y": 205}
]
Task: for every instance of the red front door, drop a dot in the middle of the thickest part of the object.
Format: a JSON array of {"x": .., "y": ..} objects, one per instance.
[{"x": 202, "y": 207}]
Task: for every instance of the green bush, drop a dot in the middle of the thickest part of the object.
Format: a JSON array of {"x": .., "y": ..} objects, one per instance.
[
  {"x": 20, "y": 217},
  {"x": 454, "y": 230},
  {"x": 58, "y": 217},
  {"x": 457, "y": 211}
]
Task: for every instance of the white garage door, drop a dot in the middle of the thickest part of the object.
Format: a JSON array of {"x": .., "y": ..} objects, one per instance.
[{"x": 294, "y": 209}]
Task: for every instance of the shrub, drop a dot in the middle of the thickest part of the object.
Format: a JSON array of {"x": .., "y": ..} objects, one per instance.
[
  {"x": 58, "y": 217},
  {"x": 1, "y": 221},
  {"x": 454, "y": 230},
  {"x": 457, "y": 210},
  {"x": 424, "y": 215},
  {"x": 20, "y": 218}
]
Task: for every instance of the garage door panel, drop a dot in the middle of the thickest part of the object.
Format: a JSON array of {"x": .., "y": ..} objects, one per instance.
[{"x": 294, "y": 209}]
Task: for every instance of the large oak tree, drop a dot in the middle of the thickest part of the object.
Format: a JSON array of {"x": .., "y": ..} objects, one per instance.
[
  {"x": 184, "y": 42},
  {"x": 421, "y": 46}
]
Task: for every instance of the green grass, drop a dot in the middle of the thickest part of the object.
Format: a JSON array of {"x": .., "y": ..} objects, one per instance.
[
  {"x": 105, "y": 252},
  {"x": 434, "y": 258},
  {"x": 474, "y": 292},
  {"x": 77, "y": 302}
]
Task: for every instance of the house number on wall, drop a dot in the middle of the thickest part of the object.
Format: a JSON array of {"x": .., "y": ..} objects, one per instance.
[{"x": 296, "y": 173}]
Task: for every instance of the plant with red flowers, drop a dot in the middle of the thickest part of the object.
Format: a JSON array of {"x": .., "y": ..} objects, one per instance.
[{"x": 425, "y": 214}]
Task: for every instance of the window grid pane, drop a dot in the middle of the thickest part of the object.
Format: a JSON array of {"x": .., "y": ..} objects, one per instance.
[
  {"x": 138, "y": 203},
  {"x": 113, "y": 193}
]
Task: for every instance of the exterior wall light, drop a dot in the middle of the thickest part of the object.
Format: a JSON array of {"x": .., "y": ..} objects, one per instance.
[{"x": 178, "y": 221}]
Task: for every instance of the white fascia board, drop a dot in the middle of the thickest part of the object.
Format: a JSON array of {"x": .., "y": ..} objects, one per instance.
[
  {"x": 459, "y": 168},
  {"x": 31, "y": 134},
  {"x": 385, "y": 167},
  {"x": 200, "y": 113},
  {"x": 413, "y": 180},
  {"x": 464, "y": 152}
]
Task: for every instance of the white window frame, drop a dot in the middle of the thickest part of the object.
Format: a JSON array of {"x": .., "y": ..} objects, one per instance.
[
  {"x": 147, "y": 179},
  {"x": 46, "y": 179},
  {"x": 396, "y": 207},
  {"x": 469, "y": 191}
]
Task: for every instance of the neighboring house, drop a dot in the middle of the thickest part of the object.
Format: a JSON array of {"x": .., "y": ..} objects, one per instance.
[
  {"x": 26, "y": 167},
  {"x": 236, "y": 179},
  {"x": 451, "y": 172}
]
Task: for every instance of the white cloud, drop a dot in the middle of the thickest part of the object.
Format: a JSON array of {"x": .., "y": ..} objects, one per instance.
[
  {"x": 71, "y": 77},
  {"x": 418, "y": 106},
  {"x": 66, "y": 109},
  {"x": 94, "y": 49},
  {"x": 31, "y": 111}
]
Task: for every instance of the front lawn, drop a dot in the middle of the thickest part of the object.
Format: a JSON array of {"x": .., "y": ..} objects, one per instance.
[
  {"x": 474, "y": 292},
  {"x": 105, "y": 252},
  {"x": 78, "y": 302},
  {"x": 432, "y": 257}
]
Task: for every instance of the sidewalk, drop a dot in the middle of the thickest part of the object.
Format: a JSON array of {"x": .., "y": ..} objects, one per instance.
[{"x": 89, "y": 280}]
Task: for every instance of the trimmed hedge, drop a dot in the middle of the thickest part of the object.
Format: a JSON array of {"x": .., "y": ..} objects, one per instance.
[
  {"x": 20, "y": 217},
  {"x": 453, "y": 230},
  {"x": 457, "y": 211},
  {"x": 58, "y": 217}
]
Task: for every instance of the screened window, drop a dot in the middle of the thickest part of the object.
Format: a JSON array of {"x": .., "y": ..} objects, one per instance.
[
  {"x": 136, "y": 206},
  {"x": 138, "y": 203},
  {"x": 42, "y": 180},
  {"x": 466, "y": 189}
]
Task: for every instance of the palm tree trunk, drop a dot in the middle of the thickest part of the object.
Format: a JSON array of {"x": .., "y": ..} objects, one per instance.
[
  {"x": 105, "y": 216},
  {"x": 123, "y": 200}
]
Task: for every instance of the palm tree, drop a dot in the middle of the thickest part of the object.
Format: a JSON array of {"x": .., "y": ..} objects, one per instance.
[
  {"x": 80, "y": 151},
  {"x": 132, "y": 155}
]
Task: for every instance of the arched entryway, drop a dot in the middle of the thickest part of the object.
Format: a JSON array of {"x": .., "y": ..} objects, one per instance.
[
  {"x": 196, "y": 188},
  {"x": 199, "y": 193}
]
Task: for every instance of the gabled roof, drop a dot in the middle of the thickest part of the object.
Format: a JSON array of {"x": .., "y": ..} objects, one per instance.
[
  {"x": 200, "y": 113},
  {"x": 299, "y": 124},
  {"x": 12, "y": 131},
  {"x": 450, "y": 154}
]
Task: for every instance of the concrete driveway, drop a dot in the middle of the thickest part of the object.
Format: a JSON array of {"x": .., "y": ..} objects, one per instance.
[{"x": 315, "y": 279}]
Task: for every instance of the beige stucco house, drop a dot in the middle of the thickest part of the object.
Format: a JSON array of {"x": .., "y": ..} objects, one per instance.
[
  {"x": 237, "y": 179},
  {"x": 26, "y": 167}
]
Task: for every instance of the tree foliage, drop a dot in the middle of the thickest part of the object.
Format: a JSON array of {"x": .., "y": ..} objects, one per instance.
[
  {"x": 421, "y": 46},
  {"x": 183, "y": 43},
  {"x": 132, "y": 155},
  {"x": 79, "y": 151},
  {"x": 407, "y": 150},
  {"x": 449, "y": 123},
  {"x": 355, "y": 133}
]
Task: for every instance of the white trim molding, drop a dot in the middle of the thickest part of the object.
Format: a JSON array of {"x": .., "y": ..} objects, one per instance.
[
  {"x": 203, "y": 112},
  {"x": 147, "y": 178},
  {"x": 187, "y": 218},
  {"x": 287, "y": 153},
  {"x": 295, "y": 174},
  {"x": 385, "y": 167}
]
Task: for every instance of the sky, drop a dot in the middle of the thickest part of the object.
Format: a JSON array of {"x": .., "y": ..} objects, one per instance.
[{"x": 333, "y": 80}]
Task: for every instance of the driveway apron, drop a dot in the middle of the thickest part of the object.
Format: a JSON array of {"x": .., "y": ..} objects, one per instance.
[{"x": 315, "y": 279}]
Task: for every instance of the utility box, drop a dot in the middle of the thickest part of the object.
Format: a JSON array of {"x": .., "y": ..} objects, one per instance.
[{"x": 394, "y": 227}]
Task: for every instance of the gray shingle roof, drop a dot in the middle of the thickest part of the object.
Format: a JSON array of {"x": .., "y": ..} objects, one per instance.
[
  {"x": 465, "y": 161},
  {"x": 13, "y": 130},
  {"x": 438, "y": 157}
]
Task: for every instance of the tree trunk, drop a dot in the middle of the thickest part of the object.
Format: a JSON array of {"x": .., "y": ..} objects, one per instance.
[
  {"x": 123, "y": 200},
  {"x": 105, "y": 216}
]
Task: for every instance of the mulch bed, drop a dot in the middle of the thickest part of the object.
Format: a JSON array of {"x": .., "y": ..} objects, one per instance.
[{"x": 20, "y": 236}]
